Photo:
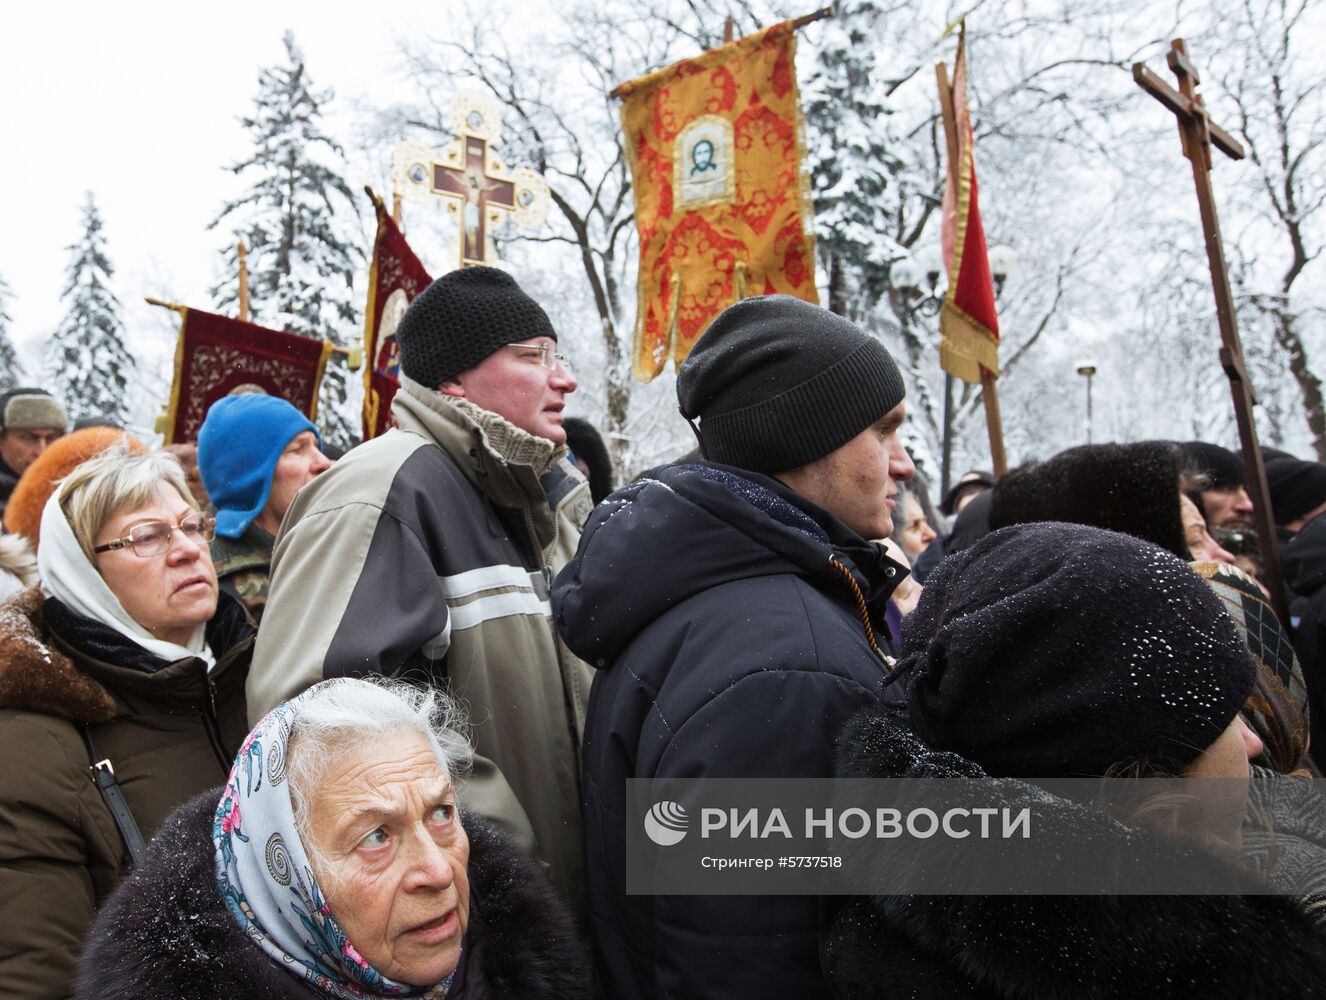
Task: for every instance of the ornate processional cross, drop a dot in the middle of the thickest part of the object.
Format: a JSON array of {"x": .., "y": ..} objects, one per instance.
[
  {"x": 1198, "y": 133},
  {"x": 471, "y": 178},
  {"x": 477, "y": 190}
]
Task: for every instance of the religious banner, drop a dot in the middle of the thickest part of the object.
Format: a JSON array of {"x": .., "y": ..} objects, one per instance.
[
  {"x": 217, "y": 355},
  {"x": 722, "y": 204},
  {"x": 395, "y": 277},
  {"x": 968, "y": 323}
]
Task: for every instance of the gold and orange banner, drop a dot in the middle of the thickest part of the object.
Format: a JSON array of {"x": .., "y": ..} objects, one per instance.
[
  {"x": 722, "y": 203},
  {"x": 968, "y": 322}
]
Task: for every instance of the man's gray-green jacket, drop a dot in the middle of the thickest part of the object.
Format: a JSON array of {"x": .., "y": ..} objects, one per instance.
[{"x": 428, "y": 553}]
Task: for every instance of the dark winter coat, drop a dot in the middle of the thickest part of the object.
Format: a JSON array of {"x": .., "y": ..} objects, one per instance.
[
  {"x": 167, "y": 933},
  {"x": 1303, "y": 559},
  {"x": 8, "y": 480},
  {"x": 724, "y": 615},
  {"x": 1052, "y": 947},
  {"x": 168, "y": 729}
]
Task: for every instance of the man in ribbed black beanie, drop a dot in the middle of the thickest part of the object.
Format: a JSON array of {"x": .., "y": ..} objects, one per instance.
[
  {"x": 734, "y": 610},
  {"x": 793, "y": 391},
  {"x": 428, "y": 551}
]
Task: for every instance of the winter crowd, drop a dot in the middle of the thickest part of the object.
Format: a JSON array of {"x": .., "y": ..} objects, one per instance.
[{"x": 277, "y": 726}]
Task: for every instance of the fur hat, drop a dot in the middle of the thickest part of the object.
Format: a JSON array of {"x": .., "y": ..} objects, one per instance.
[
  {"x": 38, "y": 482},
  {"x": 31, "y": 409},
  {"x": 1132, "y": 488}
]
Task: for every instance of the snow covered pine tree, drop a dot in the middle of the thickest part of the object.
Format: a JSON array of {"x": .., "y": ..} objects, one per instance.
[
  {"x": 88, "y": 366},
  {"x": 9, "y": 366},
  {"x": 301, "y": 266}
]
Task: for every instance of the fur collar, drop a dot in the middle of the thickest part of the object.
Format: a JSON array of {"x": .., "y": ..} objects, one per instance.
[
  {"x": 169, "y": 917},
  {"x": 1052, "y": 947},
  {"x": 36, "y": 676}
]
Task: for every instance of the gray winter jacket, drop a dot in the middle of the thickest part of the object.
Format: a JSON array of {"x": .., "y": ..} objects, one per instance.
[{"x": 428, "y": 553}]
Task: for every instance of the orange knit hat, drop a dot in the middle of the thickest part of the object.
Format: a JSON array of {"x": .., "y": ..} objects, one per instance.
[{"x": 35, "y": 486}]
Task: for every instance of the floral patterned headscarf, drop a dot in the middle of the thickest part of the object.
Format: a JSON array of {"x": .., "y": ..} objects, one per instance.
[{"x": 267, "y": 881}]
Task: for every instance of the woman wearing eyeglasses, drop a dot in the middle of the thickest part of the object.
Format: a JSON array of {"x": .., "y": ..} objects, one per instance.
[{"x": 121, "y": 696}]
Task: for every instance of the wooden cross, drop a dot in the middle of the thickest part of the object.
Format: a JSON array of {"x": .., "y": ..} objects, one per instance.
[
  {"x": 1198, "y": 133},
  {"x": 477, "y": 190}
]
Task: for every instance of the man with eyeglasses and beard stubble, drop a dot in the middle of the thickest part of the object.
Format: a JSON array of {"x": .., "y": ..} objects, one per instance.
[{"x": 428, "y": 553}]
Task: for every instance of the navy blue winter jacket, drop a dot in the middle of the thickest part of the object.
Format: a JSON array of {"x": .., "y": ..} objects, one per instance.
[{"x": 724, "y": 616}]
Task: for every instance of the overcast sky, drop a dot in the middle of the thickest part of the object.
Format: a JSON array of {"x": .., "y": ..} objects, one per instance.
[{"x": 139, "y": 103}]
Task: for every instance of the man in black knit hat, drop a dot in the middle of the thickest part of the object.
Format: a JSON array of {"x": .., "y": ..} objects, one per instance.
[
  {"x": 428, "y": 552},
  {"x": 733, "y": 610},
  {"x": 1224, "y": 498}
]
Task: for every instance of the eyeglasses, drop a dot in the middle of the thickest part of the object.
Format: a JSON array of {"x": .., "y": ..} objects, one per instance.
[
  {"x": 154, "y": 537},
  {"x": 549, "y": 358}
]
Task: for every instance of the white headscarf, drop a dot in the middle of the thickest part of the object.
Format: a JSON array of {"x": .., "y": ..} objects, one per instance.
[{"x": 69, "y": 576}]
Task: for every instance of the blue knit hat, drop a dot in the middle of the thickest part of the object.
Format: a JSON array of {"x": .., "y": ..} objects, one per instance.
[{"x": 238, "y": 447}]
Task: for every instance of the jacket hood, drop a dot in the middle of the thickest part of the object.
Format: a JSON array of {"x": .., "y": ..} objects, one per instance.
[
  {"x": 688, "y": 528},
  {"x": 1055, "y": 946}
]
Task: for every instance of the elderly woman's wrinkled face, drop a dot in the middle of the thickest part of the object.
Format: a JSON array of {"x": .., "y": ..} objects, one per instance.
[
  {"x": 392, "y": 857},
  {"x": 169, "y": 593}
]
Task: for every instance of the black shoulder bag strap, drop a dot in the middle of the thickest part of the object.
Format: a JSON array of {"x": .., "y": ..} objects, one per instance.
[{"x": 104, "y": 775}]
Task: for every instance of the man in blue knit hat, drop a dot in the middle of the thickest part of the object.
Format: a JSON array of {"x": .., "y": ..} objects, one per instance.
[{"x": 254, "y": 452}]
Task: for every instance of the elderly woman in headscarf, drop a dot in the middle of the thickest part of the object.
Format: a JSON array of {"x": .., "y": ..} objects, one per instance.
[
  {"x": 121, "y": 696},
  {"x": 337, "y": 862},
  {"x": 1054, "y": 651}
]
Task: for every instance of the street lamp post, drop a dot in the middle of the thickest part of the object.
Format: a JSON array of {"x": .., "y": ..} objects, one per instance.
[{"x": 1087, "y": 369}]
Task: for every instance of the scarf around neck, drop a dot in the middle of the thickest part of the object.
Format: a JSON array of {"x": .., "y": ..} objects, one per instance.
[
  {"x": 68, "y": 575},
  {"x": 268, "y": 883}
]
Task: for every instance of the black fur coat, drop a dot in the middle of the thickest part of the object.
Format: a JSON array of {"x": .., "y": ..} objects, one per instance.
[
  {"x": 1052, "y": 947},
  {"x": 166, "y": 933}
]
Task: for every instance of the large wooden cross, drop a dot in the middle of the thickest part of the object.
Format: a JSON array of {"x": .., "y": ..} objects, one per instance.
[
  {"x": 477, "y": 189},
  {"x": 1198, "y": 133}
]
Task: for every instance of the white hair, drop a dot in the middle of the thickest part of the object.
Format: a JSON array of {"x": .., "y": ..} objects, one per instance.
[{"x": 339, "y": 716}]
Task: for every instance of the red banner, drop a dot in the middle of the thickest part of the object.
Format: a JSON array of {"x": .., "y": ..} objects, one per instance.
[
  {"x": 968, "y": 322},
  {"x": 217, "y": 355},
  {"x": 395, "y": 277}
]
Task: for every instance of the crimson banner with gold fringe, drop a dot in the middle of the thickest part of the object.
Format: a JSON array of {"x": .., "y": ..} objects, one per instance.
[
  {"x": 217, "y": 355},
  {"x": 968, "y": 322},
  {"x": 395, "y": 277},
  {"x": 722, "y": 203}
]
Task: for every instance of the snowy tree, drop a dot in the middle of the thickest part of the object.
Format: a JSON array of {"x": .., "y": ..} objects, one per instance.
[
  {"x": 303, "y": 254},
  {"x": 88, "y": 366},
  {"x": 10, "y": 370}
]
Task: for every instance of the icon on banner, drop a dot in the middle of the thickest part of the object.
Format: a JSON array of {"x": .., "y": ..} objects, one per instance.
[{"x": 666, "y": 823}]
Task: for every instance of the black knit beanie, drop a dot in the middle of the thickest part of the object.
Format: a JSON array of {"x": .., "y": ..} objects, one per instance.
[
  {"x": 462, "y": 318},
  {"x": 1221, "y": 466},
  {"x": 1132, "y": 488},
  {"x": 1296, "y": 487},
  {"x": 778, "y": 383},
  {"x": 1057, "y": 650}
]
